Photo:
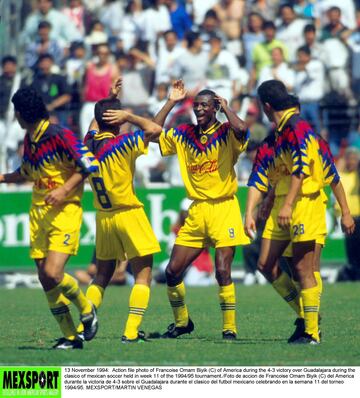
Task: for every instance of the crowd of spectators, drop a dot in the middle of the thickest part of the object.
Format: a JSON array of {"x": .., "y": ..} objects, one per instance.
[{"x": 72, "y": 51}]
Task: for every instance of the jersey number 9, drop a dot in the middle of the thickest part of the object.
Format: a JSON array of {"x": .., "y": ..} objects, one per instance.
[{"x": 101, "y": 194}]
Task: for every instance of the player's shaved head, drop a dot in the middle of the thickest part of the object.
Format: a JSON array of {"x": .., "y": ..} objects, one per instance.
[
  {"x": 206, "y": 93},
  {"x": 101, "y": 107},
  {"x": 30, "y": 105}
]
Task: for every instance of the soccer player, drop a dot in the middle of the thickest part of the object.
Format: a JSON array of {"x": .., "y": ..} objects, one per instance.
[
  {"x": 57, "y": 163},
  {"x": 259, "y": 186},
  {"x": 122, "y": 228},
  {"x": 297, "y": 215},
  {"x": 207, "y": 153}
]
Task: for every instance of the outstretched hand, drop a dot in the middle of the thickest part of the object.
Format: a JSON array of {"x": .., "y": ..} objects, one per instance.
[
  {"x": 177, "y": 92},
  {"x": 116, "y": 87}
]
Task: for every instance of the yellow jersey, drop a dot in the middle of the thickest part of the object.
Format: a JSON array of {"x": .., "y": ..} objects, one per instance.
[
  {"x": 112, "y": 185},
  {"x": 297, "y": 152},
  {"x": 264, "y": 175},
  {"x": 51, "y": 156},
  {"x": 206, "y": 158}
]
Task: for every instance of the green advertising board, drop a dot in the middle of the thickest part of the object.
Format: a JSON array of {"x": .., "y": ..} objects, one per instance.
[{"x": 161, "y": 205}]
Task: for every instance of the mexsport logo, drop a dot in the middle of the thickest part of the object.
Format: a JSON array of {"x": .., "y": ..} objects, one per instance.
[{"x": 30, "y": 379}]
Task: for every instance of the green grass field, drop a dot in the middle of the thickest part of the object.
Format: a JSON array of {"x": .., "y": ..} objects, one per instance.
[{"x": 264, "y": 323}]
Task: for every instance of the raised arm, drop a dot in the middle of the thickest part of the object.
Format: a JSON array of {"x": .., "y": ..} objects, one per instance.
[
  {"x": 347, "y": 221},
  {"x": 113, "y": 93},
  {"x": 119, "y": 117},
  {"x": 177, "y": 94},
  {"x": 238, "y": 126}
]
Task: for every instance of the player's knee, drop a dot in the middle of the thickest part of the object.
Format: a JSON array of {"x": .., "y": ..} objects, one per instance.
[
  {"x": 264, "y": 268},
  {"x": 223, "y": 276},
  {"x": 173, "y": 277},
  {"x": 49, "y": 276},
  {"x": 261, "y": 265},
  {"x": 302, "y": 270}
]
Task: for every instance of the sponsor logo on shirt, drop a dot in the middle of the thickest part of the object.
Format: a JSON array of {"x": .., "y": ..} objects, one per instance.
[{"x": 210, "y": 166}]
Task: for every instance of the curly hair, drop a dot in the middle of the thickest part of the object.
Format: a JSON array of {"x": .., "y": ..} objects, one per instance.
[{"x": 28, "y": 102}]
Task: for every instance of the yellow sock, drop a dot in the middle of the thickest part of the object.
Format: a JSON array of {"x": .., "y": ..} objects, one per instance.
[
  {"x": 176, "y": 295},
  {"x": 138, "y": 302},
  {"x": 319, "y": 282},
  {"x": 227, "y": 304},
  {"x": 65, "y": 300},
  {"x": 95, "y": 294},
  {"x": 311, "y": 301},
  {"x": 285, "y": 287},
  {"x": 301, "y": 306},
  {"x": 70, "y": 289},
  {"x": 60, "y": 310}
]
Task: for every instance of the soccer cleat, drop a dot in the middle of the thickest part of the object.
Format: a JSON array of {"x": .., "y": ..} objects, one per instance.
[
  {"x": 81, "y": 336},
  {"x": 299, "y": 330},
  {"x": 306, "y": 338},
  {"x": 65, "y": 344},
  {"x": 139, "y": 339},
  {"x": 229, "y": 335},
  {"x": 90, "y": 323},
  {"x": 175, "y": 331}
]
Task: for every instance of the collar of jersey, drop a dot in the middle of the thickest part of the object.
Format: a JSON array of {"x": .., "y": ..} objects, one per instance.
[
  {"x": 285, "y": 117},
  {"x": 40, "y": 130},
  {"x": 211, "y": 129},
  {"x": 104, "y": 134}
]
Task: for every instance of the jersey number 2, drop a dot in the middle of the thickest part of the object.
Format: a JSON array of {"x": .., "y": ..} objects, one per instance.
[{"x": 101, "y": 193}]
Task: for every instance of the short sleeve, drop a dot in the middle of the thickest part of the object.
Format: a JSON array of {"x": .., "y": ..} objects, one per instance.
[
  {"x": 167, "y": 142},
  {"x": 239, "y": 144},
  {"x": 139, "y": 146},
  {"x": 85, "y": 161},
  {"x": 259, "y": 173},
  {"x": 131, "y": 144},
  {"x": 298, "y": 144},
  {"x": 331, "y": 174},
  {"x": 22, "y": 170}
]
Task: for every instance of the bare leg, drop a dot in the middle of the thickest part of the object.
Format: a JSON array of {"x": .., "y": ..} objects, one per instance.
[
  {"x": 181, "y": 258},
  {"x": 271, "y": 251}
]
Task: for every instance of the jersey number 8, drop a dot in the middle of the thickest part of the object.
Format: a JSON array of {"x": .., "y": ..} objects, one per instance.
[{"x": 101, "y": 194}]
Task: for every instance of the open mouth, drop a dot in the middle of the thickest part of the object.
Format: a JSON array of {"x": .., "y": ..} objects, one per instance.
[{"x": 199, "y": 116}]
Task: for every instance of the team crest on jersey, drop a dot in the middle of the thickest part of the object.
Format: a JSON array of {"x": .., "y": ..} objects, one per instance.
[{"x": 203, "y": 139}]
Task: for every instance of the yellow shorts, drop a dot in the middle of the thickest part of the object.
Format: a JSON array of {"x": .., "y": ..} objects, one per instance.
[
  {"x": 124, "y": 234},
  {"x": 55, "y": 228},
  {"x": 308, "y": 220},
  {"x": 214, "y": 223}
]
